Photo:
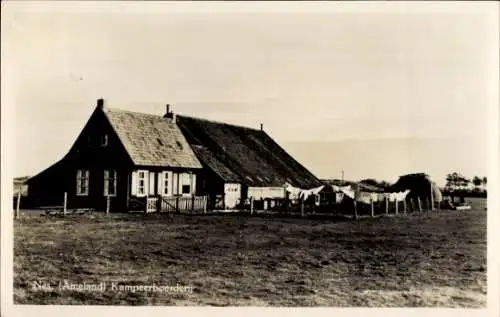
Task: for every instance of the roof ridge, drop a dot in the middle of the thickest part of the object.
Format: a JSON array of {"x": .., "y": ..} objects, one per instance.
[
  {"x": 131, "y": 111},
  {"x": 184, "y": 116},
  {"x": 219, "y": 122}
]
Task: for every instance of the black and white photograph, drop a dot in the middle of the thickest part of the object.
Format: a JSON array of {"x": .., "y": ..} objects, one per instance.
[{"x": 271, "y": 154}]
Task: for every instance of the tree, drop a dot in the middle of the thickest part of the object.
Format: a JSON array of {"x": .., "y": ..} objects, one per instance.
[
  {"x": 477, "y": 181},
  {"x": 456, "y": 182},
  {"x": 464, "y": 182},
  {"x": 452, "y": 181}
]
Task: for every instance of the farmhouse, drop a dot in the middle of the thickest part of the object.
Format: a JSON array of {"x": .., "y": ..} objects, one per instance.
[
  {"x": 128, "y": 156},
  {"x": 123, "y": 155}
]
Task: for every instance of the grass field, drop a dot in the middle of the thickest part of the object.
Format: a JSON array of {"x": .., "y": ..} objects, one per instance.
[{"x": 430, "y": 259}]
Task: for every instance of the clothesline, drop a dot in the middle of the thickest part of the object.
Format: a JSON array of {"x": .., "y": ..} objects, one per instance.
[{"x": 349, "y": 191}]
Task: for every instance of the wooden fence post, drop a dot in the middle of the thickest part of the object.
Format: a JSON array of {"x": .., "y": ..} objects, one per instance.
[
  {"x": 404, "y": 206},
  {"x": 372, "y": 208},
  {"x": 302, "y": 207},
  {"x": 355, "y": 209},
  {"x": 205, "y": 201},
  {"x": 17, "y": 205},
  {"x": 432, "y": 198},
  {"x": 386, "y": 205},
  {"x": 65, "y": 203},
  {"x": 159, "y": 202},
  {"x": 177, "y": 204},
  {"x": 419, "y": 204},
  {"x": 192, "y": 203},
  {"x": 251, "y": 205},
  {"x": 397, "y": 206},
  {"x": 108, "y": 205}
]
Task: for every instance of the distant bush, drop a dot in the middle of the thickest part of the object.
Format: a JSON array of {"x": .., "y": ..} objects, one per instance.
[{"x": 465, "y": 193}]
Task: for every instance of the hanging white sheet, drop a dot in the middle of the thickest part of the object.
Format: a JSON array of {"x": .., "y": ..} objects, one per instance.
[
  {"x": 313, "y": 191},
  {"x": 294, "y": 192}
]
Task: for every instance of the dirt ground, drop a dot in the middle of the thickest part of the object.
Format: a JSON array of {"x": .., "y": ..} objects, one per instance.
[{"x": 431, "y": 259}]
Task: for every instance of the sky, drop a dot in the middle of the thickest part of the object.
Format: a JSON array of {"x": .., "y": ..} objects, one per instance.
[{"x": 377, "y": 90}]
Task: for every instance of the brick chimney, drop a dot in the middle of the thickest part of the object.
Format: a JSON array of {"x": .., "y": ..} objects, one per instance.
[
  {"x": 169, "y": 114},
  {"x": 100, "y": 103},
  {"x": 262, "y": 127}
]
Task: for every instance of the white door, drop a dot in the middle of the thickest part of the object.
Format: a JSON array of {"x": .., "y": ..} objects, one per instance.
[{"x": 232, "y": 195}]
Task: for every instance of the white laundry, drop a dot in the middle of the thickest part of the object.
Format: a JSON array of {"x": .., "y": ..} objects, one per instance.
[
  {"x": 397, "y": 196},
  {"x": 348, "y": 191},
  {"x": 294, "y": 192},
  {"x": 339, "y": 197},
  {"x": 313, "y": 191},
  {"x": 364, "y": 197}
]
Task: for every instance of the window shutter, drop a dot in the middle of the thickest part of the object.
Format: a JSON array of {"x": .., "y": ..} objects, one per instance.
[
  {"x": 193, "y": 184},
  {"x": 78, "y": 176},
  {"x": 146, "y": 183},
  {"x": 170, "y": 183},
  {"x": 115, "y": 181},
  {"x": 152, "y": 183},
  {"x": 160, "y": 183},
  {"x": 175, "y": 189},
  {"x": 134, "y": 184},
  {"x": 106, "y": 182},
  {"x": 87, "y": 182}
]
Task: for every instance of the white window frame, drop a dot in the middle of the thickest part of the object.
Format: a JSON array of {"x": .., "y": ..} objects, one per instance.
[
  {"x": 144, "y": 188},
  {"x": 110, "y": 175},
  {"x": 82, "y": 176},
  {"x": 104, "y": 140},
  {"x": 167, "y": 182}
]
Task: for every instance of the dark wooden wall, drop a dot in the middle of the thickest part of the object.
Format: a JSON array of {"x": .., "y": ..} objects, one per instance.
[{"x": 48, "y": 187}]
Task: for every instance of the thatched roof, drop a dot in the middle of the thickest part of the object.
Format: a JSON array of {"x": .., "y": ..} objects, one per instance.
[
  {"x": 152, "y": 140},
  {"x": 211, "y": 160},
  {"x": 244, "y": 155}
]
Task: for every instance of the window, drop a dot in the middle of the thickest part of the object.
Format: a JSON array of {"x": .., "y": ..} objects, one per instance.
[
  {"x": 186, "y": 184},
  {"x": 104, "y": 140},
  {"x": 141, "y": 183},
  {"x": 82, "y": 182},
  {"x": 109, "y": 182}
]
